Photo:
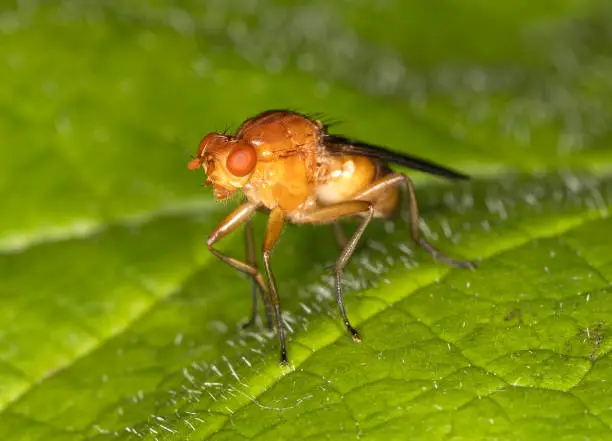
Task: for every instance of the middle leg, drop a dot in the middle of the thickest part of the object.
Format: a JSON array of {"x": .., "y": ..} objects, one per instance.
[{"x": 332, "y": 213}]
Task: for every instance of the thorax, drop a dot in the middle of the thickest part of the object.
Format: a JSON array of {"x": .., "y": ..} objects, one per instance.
[
  {"x": 294, "y": 172},
  {"x": 287, "y": 183}
]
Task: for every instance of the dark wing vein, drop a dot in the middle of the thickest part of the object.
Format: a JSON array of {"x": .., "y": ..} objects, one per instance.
[{"x": 337, "y": 145}]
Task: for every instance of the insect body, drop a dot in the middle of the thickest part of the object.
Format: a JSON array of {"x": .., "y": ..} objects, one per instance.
[{"x": 290, "y": 166}]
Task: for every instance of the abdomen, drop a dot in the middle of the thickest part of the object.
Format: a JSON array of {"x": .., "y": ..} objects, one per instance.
[{"x": 345, "y": 177}]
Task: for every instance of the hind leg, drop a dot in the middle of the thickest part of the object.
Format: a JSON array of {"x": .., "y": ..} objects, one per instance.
[{"x": 380, "y": 193}]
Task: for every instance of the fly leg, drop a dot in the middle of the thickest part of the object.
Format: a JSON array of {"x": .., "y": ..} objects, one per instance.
[
  {"x": 255, "y": 290},
  {"x": 250, "y": 257},
  {"x": 331, "y": 213},
  {"x": 339, "y": 235},
  {"x": 275, "y": 226},
  {"x": 398, "y": 179},
  {"x": 229, "y": 224}
]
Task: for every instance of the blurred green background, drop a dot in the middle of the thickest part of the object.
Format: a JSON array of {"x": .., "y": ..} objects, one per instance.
[{"x": 116, "y": 322}]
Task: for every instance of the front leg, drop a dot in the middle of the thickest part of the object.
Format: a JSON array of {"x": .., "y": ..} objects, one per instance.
[
  {"x": 275, "y": 226},
  {"x": 229, "y": 224}
]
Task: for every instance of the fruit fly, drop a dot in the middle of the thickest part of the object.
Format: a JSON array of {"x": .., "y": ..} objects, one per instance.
[{"x": 289, "y": 166}]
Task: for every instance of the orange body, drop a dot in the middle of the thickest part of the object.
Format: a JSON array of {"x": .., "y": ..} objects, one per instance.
[
  {"x": 290, "y": 165},
  {"x": 292, "y": 170}
]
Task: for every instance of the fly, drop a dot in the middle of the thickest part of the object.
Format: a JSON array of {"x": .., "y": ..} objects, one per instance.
[{"x": 291, "y": 167}]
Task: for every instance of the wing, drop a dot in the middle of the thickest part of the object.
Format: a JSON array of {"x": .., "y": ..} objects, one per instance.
[{"x": 339, "y": 145}]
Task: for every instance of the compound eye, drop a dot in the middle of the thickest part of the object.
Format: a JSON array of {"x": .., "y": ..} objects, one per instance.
[{"x": 241, "y": 160}]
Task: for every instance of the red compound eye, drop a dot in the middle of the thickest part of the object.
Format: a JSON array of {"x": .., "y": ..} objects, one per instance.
[{"x": 241, "y": 161}]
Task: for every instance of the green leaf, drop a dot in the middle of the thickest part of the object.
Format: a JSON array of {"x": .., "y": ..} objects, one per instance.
[{"x": 117, "y": 323}]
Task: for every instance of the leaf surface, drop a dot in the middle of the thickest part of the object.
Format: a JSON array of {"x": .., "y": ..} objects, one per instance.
[{"x": 119, "y": 324}]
